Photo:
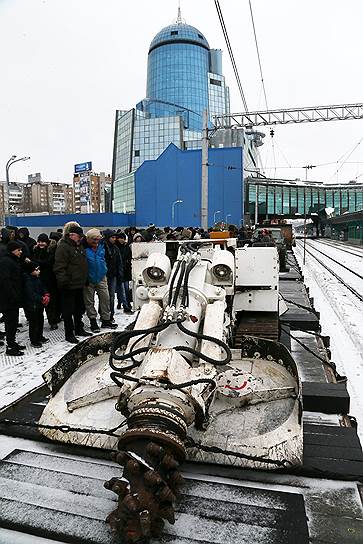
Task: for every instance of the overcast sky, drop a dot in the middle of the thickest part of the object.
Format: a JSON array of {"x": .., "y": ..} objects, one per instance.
[{"x": 67, "y": 65}]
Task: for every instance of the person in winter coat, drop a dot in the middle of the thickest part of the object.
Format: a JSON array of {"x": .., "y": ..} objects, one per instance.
[
  {"x": 11, "y": 292},
  {"x": 97, "y": 282},
  {"x": 122, "y": 287},
  {"x": 115, "y": 270},
  {"x": 14, "y": 237},
  {"x": 24, "y": 236},
  {"x": 4, "y": 239},
  {"x": 44, "y": 256},
  {"x": 71, "y": 270},
  {"x": 35, "y": 299}
]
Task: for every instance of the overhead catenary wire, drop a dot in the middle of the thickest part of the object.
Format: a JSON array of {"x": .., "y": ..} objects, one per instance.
[
  {"x": 231, "y": 55},
  {"x": 258, "y": 54}
]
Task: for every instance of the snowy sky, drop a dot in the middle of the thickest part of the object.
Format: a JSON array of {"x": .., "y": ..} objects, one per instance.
[{"x": 67, "y": 65}]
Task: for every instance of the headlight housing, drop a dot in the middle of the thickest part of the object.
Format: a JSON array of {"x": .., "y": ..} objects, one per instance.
[
  {"x": 222, "y": 271},
  {"x": 155, "y": 273}
]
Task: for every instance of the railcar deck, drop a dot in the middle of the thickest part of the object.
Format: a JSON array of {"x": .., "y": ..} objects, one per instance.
[{"x": 54, "y": 493}]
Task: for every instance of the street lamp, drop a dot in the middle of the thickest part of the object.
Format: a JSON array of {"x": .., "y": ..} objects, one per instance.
[
  {"x": 10, "y": 162},
  {"x": 173, "y": 210},
  {"x": 214, "y": 216}
]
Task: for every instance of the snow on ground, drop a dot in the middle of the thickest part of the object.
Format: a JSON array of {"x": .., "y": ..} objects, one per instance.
[
  {"x": 20, "y": 375},
  {"x": 341, "y": 313}
]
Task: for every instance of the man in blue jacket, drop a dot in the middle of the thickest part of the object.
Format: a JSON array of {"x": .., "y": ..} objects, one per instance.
[{"x": 97, "y": 282}]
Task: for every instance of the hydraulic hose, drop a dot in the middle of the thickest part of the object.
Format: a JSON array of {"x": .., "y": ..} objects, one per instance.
[
  {"x": 179, "y": 284},
  {"x": 199, "y": 336},
  {"x": 173, "y": 281}
]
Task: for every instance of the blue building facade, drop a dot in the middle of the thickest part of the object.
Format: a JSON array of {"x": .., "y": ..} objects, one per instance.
[
  {"x": 184, "y": 78},
  {"x": 178, "y": 64},
  {"x": 176, "y": 175}
]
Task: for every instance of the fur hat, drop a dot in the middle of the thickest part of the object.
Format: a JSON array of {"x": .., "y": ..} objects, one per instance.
[
  {"x": 68, "y": 225},
  {"x": 75, "y": 230},
  {"x": 93, "y": 233}
]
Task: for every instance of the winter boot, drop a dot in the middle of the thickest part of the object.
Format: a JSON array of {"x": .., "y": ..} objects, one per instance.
[
  {"x": 14, "y": 351},
  {"x": 72, "y": 339},
  {"x": 108, "y": 325},
  {"x": 94, "y": 325},
  {"x": 82, "y": 332}
]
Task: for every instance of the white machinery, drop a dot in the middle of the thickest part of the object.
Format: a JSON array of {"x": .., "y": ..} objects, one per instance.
[{"x": 186, "y": 382}]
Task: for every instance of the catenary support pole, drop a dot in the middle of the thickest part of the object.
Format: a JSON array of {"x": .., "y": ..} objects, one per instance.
[{"x": 204, "y": 188}]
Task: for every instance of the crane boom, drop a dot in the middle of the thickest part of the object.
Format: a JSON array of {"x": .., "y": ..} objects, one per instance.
[{"x": 315, "y": 114}]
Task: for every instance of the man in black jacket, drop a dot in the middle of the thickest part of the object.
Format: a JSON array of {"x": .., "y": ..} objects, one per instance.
[
  {"x": 122, "y": 288},
  {"x": 44, "y": 256},
  {"x": 11, "y": 295},
  {"x": 71, "y": 270},
  {"x": 114, "y": 267}
]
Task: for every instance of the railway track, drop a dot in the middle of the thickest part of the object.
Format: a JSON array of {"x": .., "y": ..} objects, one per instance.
[
  {"x": 332, "y": 272},
  {"x": 334, "y": 260},
  {"x": 340, "y": 247}
]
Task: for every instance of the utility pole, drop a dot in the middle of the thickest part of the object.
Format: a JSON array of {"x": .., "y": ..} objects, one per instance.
[
  {"x": 307, "y": 167},
  {"x": 204, "y": 188}
]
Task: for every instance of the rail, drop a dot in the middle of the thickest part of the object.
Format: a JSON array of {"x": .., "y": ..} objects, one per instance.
[{"x": 349, "y": 287}]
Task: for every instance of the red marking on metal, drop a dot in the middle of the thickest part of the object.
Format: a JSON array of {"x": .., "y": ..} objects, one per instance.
[{"x": 237, "y": 388}]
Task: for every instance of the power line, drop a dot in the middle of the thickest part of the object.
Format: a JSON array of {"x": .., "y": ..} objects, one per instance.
[
  {"x": 351, "y": 153},
  {"x": 258, "y": 54},
  {"x": 229, "y": 47}
]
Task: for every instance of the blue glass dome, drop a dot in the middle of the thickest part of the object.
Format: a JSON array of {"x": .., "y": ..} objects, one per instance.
[{"x": 179, "y": 32}]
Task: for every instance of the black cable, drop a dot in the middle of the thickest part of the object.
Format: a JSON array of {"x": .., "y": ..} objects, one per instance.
[
  {"x": 199, "y": 336},
  {"x": 179, "y": 284},
  {"x": 188, "y": 384},
  {"x": 258, "y": 55},
  {"x": 324, "y": 361},
  {"x": 173, "y": 281},
  {"x": 234, "y": 66},
  {"x": 62, "y": 428},
  {"x": 312, "y": 310},
  {"x": 185, "y": 294},
  {"x": 190, "y": 443},
  {"x": 115, "y": 375}
]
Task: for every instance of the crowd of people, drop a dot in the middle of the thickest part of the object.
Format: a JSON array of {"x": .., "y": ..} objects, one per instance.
[{"x": 60, "y": 275}]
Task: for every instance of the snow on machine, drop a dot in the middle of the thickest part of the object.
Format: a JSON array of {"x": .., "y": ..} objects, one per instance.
[{"x": 200, "y": 376}]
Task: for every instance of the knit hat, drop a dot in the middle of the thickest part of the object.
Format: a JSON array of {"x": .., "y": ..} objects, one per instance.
[
  {"x": 43, "y": 238},
  {"x": 55, "y": 236},
  {"x": 30, "y": 266},
  {"x": 108, "y": 233},
  {"x": 12, "y": 246},
  {"x": 75, "y": 230},
  {"x": 93, "y": 233}
]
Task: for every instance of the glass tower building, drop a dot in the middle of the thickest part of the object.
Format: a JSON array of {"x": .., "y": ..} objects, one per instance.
[{"x": 184, "y": 77}]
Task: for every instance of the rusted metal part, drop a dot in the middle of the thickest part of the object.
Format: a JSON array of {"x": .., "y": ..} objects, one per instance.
[
  {"x": 151, "y": 451},
  {"x": 258, "y": 324},
  {"x": 148, "y": 489}
]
